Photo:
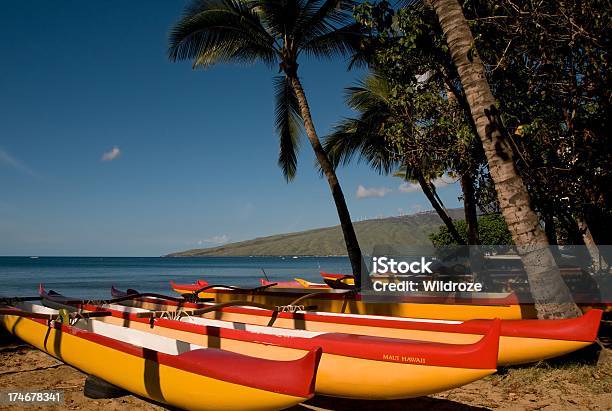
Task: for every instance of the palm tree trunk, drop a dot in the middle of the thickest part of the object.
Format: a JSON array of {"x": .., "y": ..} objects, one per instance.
[
  {"x": 551, "y": 295},
  {"x": 446, "y": 219},
  {"x": 596, "y": 260},
  {"x": 350, "y": 238},
  {"x": 469, "y": 208}
]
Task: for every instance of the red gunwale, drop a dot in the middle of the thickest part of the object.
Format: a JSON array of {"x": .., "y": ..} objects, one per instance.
[
  {"x": 295, "y": 378},
  {"x": 480, "y": 355},
  {"x": 583, "y": 328},
  {"x": 279, "y": 284}
]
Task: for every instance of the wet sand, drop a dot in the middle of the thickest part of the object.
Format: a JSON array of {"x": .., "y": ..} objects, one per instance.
[{"x": 547, "y": 386}]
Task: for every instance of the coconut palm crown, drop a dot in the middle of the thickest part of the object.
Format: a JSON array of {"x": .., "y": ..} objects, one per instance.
[{"x": 276, "y": 33}]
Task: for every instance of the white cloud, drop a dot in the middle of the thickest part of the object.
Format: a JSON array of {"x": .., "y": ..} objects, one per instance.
[
  {"x": 9, "y": 160},
  {"x": 442, "y": 181},
  {"x": 363, "y": 192},
  {"x": 111, "y": 155},
  {"x": 407, "y": 187},
  {"x": 217, "y": 239}
]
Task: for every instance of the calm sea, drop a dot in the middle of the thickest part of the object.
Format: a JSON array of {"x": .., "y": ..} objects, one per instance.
[{"x": 92, "y": 277}]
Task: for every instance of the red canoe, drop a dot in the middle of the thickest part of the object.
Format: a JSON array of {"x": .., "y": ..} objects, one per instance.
[
  {"x": 521, "y": 341},
  {"x": 351, "y": 366}
]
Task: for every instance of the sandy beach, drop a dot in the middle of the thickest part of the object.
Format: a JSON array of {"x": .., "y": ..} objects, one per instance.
[{"x": 556, "y": 385}]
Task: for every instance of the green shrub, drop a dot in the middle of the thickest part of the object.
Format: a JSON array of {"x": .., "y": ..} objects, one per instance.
[{"x": 492, "y": 230}]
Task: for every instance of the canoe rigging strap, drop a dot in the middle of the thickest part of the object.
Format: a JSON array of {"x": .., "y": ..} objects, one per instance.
[
  {"x": 200, "y": 311},
  {"x": 293, "y": 305}
]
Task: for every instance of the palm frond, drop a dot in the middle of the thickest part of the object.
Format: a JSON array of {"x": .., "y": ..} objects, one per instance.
[
  {"x": 373, "y": 91},
  {"x": 217, "y": 31},
  {"x": 344, "y": 41},
  {"x": 280, "y": 16},
  {"x": 360, "y": 137},
  {"x": 321, "y": 17},
  {"x": 288, "y": 126}
]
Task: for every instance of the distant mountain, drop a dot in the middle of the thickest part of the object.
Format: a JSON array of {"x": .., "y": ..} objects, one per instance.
[{"x": 405, "y": 230}]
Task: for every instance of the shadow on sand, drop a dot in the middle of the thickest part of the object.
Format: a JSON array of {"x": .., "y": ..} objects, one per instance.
[{"x": 321, "y": 403}]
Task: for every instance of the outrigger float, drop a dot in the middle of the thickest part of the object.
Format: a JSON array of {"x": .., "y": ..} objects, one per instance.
[
  {"x": 352, "y": 366},
  {"x": 178, "y": 373},
  {"x": 521, "y": 341}
]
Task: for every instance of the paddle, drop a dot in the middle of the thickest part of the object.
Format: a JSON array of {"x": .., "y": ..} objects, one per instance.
[
  {"x": 234, "y": 288},
  {"x": 193, "y": 296},
  {"x": 264, "y": 273}
]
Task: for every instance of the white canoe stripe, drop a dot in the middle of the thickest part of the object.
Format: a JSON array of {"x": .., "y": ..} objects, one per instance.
[
  {"x": 227, "y": 324},
  {"x": 284, "y": 332},
  {"x": 344, "y": 315},
  {"x": 382, "y": 317},
  {"x": 135, "y": 337}
]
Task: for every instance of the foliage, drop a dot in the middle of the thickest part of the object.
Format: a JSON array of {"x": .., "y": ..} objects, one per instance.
[
  {"x": 371, "y": 136},
  {"x": 432, "y": 129},
  {"x": 547, "y": 64},
  {"x": 492, "y": 230},
  {"x": 548, "y": 67}
]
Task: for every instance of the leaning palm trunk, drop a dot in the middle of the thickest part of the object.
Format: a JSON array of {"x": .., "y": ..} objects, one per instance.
[
  {"x": 551, "y": 295},
  {"x": 469, "y": 208},
  {"x": 597, "y": 261},
  {"x": 446, "y": 219},
  {"x": 348, "y": 231}
]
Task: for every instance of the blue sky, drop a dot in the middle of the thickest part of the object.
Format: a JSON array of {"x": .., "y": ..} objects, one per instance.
[{"x": 195, "y": 158}]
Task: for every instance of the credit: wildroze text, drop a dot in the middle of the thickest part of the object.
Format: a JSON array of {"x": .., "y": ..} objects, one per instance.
[{"x": 385, "y": 265}]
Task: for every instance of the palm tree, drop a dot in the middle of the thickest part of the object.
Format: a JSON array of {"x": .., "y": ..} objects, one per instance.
[
  {"x": 365, "y": 135},
  {"x": 551, "y": 295},
  {"x": 277, "y": 33}
]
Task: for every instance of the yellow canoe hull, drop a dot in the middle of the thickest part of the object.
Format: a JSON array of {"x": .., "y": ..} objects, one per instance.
[
  {"x": 378, "y": 380},
  {"x": 145, "y": 377},
  {"x": 512, "y": 350},
  {"x": 413, "y": 310}
]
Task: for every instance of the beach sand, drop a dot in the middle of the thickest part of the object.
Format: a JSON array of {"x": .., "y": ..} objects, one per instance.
[{"x": 547, "y": 386}]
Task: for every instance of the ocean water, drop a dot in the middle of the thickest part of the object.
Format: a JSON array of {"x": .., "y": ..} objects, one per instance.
[{"x": 92, "y": 277}]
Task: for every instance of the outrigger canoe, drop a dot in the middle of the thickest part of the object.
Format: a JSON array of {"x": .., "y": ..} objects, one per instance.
[
  {"x": 178, "y": 373},
  {"x": 479, "y": 306},
  {"x": 352, "y": 366},
  {"x": 521, "y": 341}
]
